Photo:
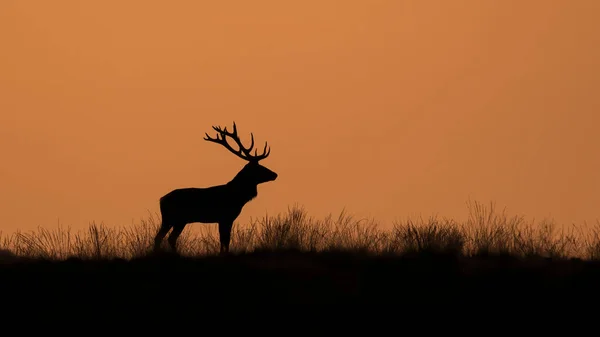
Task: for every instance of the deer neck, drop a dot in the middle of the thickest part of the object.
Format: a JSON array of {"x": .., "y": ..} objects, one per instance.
[{"x": 242, "y": 190}]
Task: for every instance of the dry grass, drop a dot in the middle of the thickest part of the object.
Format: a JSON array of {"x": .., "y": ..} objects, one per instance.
[{"x": 486, "y": 231}]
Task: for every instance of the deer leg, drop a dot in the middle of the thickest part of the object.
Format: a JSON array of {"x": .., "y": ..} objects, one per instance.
[
  {"x": 225, "y": 235},
  {"x": 177, "y": 229},
  {"x": 162, "y": 232}
]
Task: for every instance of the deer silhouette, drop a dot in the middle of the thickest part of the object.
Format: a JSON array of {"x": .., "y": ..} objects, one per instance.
[{"x": 220, "y": 204}]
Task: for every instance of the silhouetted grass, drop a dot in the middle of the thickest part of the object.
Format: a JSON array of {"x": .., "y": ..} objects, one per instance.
[
  {"x": 488, "y": 262},
  {"x": 485, "y": 232}
]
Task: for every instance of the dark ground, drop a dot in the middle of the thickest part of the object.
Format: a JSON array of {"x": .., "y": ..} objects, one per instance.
[{"x": 301, "y": 280}]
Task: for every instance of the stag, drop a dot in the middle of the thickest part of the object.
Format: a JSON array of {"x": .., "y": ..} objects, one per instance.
[{"x": 219, "y": 204}]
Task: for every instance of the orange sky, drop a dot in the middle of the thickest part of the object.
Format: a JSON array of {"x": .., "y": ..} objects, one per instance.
[{"x": 388, "y": 108}]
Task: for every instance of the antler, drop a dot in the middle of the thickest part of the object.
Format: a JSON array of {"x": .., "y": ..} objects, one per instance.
[{"x": 243, "y": 152}]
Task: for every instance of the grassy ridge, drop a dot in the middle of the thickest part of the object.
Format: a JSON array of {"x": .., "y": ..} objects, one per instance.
[
  {"x": 490, "y": 261},
  {"x": 486, "y": 231}
]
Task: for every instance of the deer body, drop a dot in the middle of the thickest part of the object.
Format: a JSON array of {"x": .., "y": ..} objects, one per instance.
[
  {"x": 205, "y": 205},
  {"x": 220, "y": 204}
]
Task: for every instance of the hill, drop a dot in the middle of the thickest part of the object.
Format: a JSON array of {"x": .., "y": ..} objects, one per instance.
[{"x": 291, "y": 261}]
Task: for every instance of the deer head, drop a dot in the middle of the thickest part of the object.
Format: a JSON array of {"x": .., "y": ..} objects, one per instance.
[{"x": 253, "y": 173}]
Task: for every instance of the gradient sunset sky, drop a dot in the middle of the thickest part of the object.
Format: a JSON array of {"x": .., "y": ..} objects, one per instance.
[{"x": 391, "y": 109}]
